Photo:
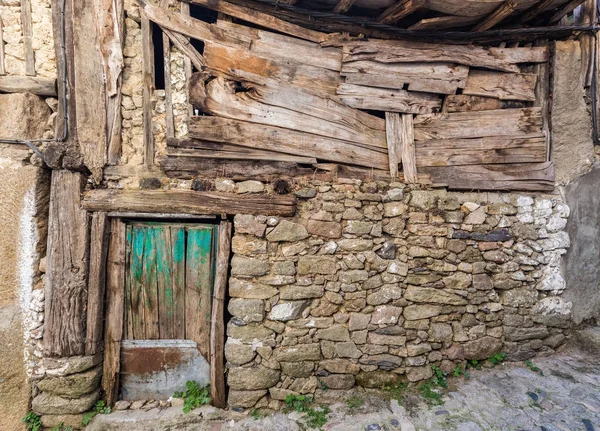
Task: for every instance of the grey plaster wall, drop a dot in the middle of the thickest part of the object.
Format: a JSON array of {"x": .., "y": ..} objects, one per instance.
[{"x": 583, "y": 258}]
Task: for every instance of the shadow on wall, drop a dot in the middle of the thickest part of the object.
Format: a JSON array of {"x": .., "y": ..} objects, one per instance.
[{"x": 583, "y": 258}]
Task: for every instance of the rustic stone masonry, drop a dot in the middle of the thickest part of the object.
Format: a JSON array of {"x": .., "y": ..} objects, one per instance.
[{"x": 372, "y": 282}]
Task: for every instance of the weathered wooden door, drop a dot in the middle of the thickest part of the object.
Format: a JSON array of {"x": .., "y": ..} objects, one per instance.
[{"x": 169, "y": 276}]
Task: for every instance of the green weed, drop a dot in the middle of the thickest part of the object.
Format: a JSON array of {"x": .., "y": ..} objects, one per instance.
[
  {"x": 459, "y": 371},
  {"x": 439, "y": 376},
  {"x": 534, "y": 367},
  {"x": 100, "y": 408},
  {"x": 315, "y": 417},
  {"x": 474, "y": 363},
  {"x": 355, "y": 401},
  {"x": 497, "y": 359},
  {"x": 32, "y": 421},
  {"x": 430, "y": 393},
  {"x": 397, "y": 391},
  {"x": 298, "y": 403},
  {"x": 256, "y": 414},
  {"x": 194, "y": 396}
]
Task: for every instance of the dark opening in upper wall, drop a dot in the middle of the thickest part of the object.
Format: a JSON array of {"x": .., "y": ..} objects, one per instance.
[
  {"x": 159, "y": 57},
  {"x": 203, "y": 14}
]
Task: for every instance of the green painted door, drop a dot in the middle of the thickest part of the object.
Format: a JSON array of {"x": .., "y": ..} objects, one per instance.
[{"x": 169, "y": 281}]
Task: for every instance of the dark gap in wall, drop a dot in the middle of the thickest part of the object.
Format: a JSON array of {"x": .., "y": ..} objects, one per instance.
[
  {"x": 203, "y": 14},
  {"x": 159, "y": 57}
]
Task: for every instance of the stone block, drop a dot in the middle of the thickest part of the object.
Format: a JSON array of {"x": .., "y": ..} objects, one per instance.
[
  {"x": 48, "y": 404},
  {"x": 73, "y": 385},
  {"x": 250, "y": 290},
  {"x": 287, "y": 231},
  {"x": 245, "y": 399},
  {"x": 324, "y": 229},
  {"x": 285, "y": 311},
  {"x": 298, "y": 353},
  {"x": 253, "y": 378},
  {"x": 317, "y": 265},
  {"x": 248, "y": 310},
  {"x": 246, "y": 266}
]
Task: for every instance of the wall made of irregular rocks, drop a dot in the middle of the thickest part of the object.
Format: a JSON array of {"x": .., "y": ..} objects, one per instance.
[{"x": 374, "y": 282}]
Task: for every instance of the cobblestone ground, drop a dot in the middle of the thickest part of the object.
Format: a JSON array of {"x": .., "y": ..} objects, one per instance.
[{"x": 506, "y": 397}]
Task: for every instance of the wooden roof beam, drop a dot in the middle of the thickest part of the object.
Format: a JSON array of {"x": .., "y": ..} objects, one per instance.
[
  {"x": 495, "y": 17},
  {"x": 534, "y": 11},
  {"x": 565, "y": 10},
  {"x": 400, "y": 10},
  {"x": 343, "y": 6}
]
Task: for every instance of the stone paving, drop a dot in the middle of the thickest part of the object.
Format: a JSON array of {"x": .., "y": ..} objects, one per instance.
[{"x": 506, "y": 397}]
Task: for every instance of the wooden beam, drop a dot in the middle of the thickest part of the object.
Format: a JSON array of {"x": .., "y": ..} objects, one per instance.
[
  {"x": 184, "y": 45},
  {"x": 169, "y": 121},
  {"x": 97, "y": 283},
  {"x": 565, "y": 10},
  {"x": 66, "y": 278},
  {"x": 27, "y": 37},
  {"x": 186, "y": 202},
  {"x": 381, "y": 99},
  {"x": 523, "y": 176},
  {"x": 147, "y": 89},
  {"x": 444, "y": 22},
  {"x": 263, "y": 137},
  {"x": 89, "y": 91},
  {"x": 343, "y": 6},
  {"x": 2, "y": 55},
  {"x": 464, "y": 103},
  {"x": 217, "y": 330},
  {"x": 28, "y": 84},
  {"x": 534, "y": 11},
  {"x": 115, "y": 309},
  {"x": 495, "y": 17},
  {"x": 262, "y": 19},
  {"x": 392, "y": 128},
  {"x": 234, "y": 152},
  {"x": 400, "y": 10},
  {"x": 503, "y": 86}
]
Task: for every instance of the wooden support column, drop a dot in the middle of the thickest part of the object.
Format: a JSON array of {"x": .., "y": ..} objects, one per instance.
[
  {"x": 401, "y": 145},
  {"x": 66, "y": 279},
  {"x": 542, "y": 98},
  {"x": 169, "y": 122},
  {"x": 148, "y": 72},
  {"x": 115, "y": 306},
  {"x": 27, "y": 37},
  {"x": 96, "y": 283},
  {"x": 217, "y": 330},
  {"x": 495, "y": 17},
  {"x": 187, "y": 63}
]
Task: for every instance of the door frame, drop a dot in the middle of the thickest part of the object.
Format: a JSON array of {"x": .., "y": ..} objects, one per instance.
[{"x": 115, "y": 304}]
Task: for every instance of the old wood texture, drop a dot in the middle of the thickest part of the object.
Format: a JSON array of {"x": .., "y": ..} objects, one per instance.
[
  {"x": 503, "y": 11},
  {"x": 283, "y": 140},
  {"x": 2, "y": 55},
  {"x": 503, "y": 86},
  {"x": 199, "y": 280},
  {"x": 26, "y": 26},
  {"x": 28, "y": 84},
  {"x": 147, "y": 89},
  {"x": 217, "y": 331},
  {"x": 186, "y": 202},
  {"x": 381, "y": 99},
  {"x": 443, "y": 22},
  {"x": 90, "y": 93},
  {"x": 292, "y": 108},
  {"x": 235, "y": 152},
  {"x": 110, "y": 22},
  {"x": 67, "y": 260},
  {"x": 400, "y": 10},
  {"x": 535, "y": 10},
  {"x": 401, "y": 145},
  {"x": 482, "y": 151},
  {"x": 99, "y": 237},
  {"x": 261, "y": 19},
  {"x": 464, "y": 103},
  {"x": 521, "y": 176},
  {"x": 564, "y": 10},
  {"x": 390, "y": 52},
  {"x": 343, "y": 6},
  {"x": 438, "y": 78},
  {"x": 115, "y": 308},
  {"x": 169, "y": 120},
  {"x": 463, "y": 125},
  {"x": 542, "y": 98}
]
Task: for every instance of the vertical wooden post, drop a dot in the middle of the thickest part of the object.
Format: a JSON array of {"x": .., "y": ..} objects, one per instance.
[
  {"x": 2, "y": 67},
  {"x": 148, "y": 71},
  {"x": 96, "y": 283},
  {"x": 27, "y": 34},
  {"x": 401, "y": 145},
  {"x": 170, "y": 125},
  {"x": 217, "y": 330},
  {"x": 187, "y": 64},
  {"x": 67, "y": 256},
  {"x": 115, "y": 303},
  {"x": 542, "y": 97}
]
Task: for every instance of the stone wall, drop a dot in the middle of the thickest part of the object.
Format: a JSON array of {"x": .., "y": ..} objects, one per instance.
[{"x": 374, "y": 282}]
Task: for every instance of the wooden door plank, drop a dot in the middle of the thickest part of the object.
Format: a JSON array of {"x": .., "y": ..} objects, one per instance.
[
  {"x": 503, "y": 86},
  {"x": 114, "y": 311},
  {"x": 379, "y": 99},
  {"x": 136, "y": 268},
  {"x": 503, "y": 122},
  {"x": 128, "y": 333},
  {"x": 96, "y": 283},
  {"x": 178, "y": 281},
  {"x": 198, "y": 287},
  {"x": 150, "y": 284},
  {"x": 217, "y": 329},
  {"x": 392, "y": 129},
  {"x": 164, "y": 282},
  {"x": 407, "y": 143},
  {"x": 67, "y": 256}
]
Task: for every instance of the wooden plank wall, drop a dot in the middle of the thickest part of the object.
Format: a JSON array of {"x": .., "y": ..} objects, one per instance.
[{"x": 304, "y": 100}]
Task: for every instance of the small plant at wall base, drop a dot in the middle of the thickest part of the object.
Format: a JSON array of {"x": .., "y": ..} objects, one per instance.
[
  {"x": 32, "y": 421},
  {"x": 315, "y": 418},
  {"x": 355, "y": 401},
  {"x": 100, "y": 408},
  {"x": 534, "y": 367},
  {"x": 497, "y": 359},
  {"x": 396, "y": 392},
  {"x": 194, "y": 396}
]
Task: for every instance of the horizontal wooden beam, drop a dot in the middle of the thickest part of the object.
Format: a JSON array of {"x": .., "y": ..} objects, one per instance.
[
  {"x": 187, "y": 202},
  {"x": 28, "y": 84}
]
